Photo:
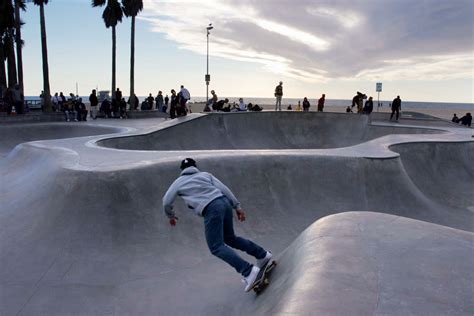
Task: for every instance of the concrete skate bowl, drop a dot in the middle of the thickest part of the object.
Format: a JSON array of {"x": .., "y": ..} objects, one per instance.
[
  {"x": 15, "y": 134},
  {"x": 94, "y": 242},
  {"x": 267, "y": 130}
]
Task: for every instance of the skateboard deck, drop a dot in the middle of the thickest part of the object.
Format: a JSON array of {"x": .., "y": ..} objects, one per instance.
[{"x": 263, "y": 279}]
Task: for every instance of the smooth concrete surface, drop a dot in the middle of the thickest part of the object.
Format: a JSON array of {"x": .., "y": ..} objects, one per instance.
[
  {"x": 266, "y": 130},
  {"x": 82, "y": 230},
  {"x": 14, "y": 134}
]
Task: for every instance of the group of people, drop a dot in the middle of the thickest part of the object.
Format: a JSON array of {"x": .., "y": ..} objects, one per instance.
[
  {"x": 72, "y": 107},
  {"x": 176, "y": 104},
  {"x": 117, "y": 106},
  {"x": 216, "y": 105},
  {"x": 306, "y": 105},
  {"x": 466, "y": 120}
]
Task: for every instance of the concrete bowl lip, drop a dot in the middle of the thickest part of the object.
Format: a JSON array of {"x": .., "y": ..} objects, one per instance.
[
  {"x": 378, "y": 148},
  {"x": 445, "y": 131}
]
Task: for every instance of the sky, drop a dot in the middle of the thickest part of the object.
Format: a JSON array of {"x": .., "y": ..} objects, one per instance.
[{"x": 422, "y": 50}]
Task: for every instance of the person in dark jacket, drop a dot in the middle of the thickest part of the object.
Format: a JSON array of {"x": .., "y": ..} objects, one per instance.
[
  {"x": 81, "y": 110},
  {"x": 321, "y": 103},
  {"x": 369, "y": 106},
  {"x": 94, "y": 101},
  {"x": 173, "y": 104},
  {"x": 306, "y": 105},
  {"x": 118, "y": 95},
  {"x": 150, "y": 101},
  {"x": 396, "y": 107}
]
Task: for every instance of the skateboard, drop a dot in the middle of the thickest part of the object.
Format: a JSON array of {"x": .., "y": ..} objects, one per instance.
[{"x": 263, "y": 280}]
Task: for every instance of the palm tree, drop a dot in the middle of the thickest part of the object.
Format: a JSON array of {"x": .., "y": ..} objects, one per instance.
[
  {"x": 19, "y": 5},
  {"x": 48, "y": 107},
  {"x": 4, "y": 17},
  {"x": 7, "y": 23},
  {"x": 131, "y": 8},
  {"x": 3, "y": 76},
  {"x": 112, "y": 15}
]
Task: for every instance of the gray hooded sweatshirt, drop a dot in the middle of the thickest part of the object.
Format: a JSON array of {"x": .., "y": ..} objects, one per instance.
[{"x": 197, "y": 189}]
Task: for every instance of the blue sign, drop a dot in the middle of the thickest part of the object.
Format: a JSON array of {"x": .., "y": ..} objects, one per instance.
[{"x": 378, "y": 87}]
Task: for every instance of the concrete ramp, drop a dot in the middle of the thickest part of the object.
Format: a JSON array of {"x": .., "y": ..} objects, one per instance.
[
  {"x": 371, "y": 264},
  {"x": 267, "y": 130},
  {"x": 14, "y": 134},
  {"x": 82, "y": 230}
]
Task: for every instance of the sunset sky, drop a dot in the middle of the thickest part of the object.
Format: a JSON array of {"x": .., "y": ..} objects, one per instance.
[{"x": 422, "y": 50}]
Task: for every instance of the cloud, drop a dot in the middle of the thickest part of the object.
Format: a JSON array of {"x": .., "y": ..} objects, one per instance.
[{"x": 324, "y": 40}]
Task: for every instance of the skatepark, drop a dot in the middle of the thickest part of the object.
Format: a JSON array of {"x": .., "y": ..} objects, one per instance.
[{"x": 364, "y": 215}]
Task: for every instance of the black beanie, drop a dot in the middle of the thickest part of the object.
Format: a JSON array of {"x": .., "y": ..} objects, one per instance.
[{"x": 188, "y": 162}]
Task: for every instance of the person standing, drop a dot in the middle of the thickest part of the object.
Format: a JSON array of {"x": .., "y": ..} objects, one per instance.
[
  {"x": 55, "y": 100},
  {"x": 150, "y": 101},
  {"x": 278, "y": 96},
  {"x": 298, "y": 107},
  {"x": 321, "y": 103},
  {"x": 118, "y": 95},
  {"x": 396, "y": 107},
  {"x": 306, "y": 105},
  {"x": 184, "y": 97},
  {"x": 173, "y": 104},
  {"x": 213, "y": 100},
  {"x": 167, "y": 100},
  {"x": 94, "y": 101},
  {"x": 209, "y": 198},
  {"x": 159, "y": 101},
  {"x": 369, "y": 106}
]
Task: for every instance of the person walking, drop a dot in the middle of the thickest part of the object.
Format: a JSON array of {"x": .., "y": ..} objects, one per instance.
[
  {"x": 321, "y": 103},
  {"x": 209, "y": 198},
  {"x": 396, "y": 107},
  {"x": 278, "y": 96}
]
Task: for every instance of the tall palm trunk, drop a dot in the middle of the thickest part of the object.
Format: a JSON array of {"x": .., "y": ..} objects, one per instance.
[
  {"x": 114, "y": 44},
  {"x": 19, "y": 55},
  {"x": 132, "y": 65},
  {"x": 46, "y": 90},
  {"x": 3, "y": 74},
  {"x": 12, "y": 79}
]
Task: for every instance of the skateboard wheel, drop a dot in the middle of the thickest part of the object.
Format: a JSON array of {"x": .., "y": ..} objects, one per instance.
[{"x": 266, "y": 281}]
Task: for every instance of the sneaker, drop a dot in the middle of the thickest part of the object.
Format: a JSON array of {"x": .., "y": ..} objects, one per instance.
[
  {"x": 250, "y": 279},
  {"x": 264, "y": 261}
]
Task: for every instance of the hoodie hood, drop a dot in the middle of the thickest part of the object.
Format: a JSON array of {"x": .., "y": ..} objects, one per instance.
[{"x": 189, "y": 170}]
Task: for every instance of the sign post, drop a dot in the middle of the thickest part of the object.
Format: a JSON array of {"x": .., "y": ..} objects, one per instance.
[{"x": 378, "y": 89}]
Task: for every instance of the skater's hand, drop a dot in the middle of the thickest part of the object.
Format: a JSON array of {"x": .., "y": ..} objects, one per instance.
[
  {"x": 240, "y": 214},
  {"x": 173, "y": 221}
]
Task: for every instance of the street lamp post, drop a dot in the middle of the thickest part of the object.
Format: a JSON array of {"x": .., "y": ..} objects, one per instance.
[{"x": 208, "y": 76}]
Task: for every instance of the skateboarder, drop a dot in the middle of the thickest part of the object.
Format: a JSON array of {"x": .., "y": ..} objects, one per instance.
[{"x": 211, "y": 199}]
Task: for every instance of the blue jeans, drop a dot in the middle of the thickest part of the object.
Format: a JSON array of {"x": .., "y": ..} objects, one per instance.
[{"x": 220, "y": 236}]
